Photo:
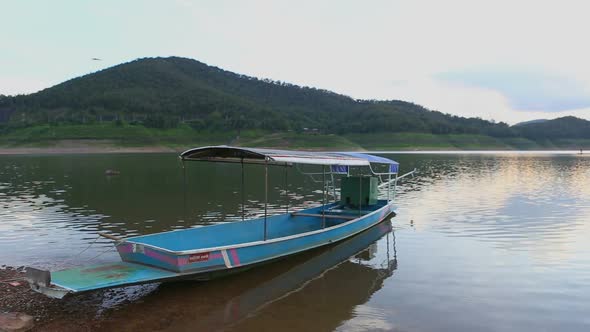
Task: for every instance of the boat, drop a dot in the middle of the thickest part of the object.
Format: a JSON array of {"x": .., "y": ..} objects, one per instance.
[
  {"x": 348, "y": 263},
  {"x": 357, "y": 264},
  {"x": 205, "y": 252}
]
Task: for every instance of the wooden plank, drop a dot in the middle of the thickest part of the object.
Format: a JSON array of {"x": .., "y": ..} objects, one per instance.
[
  {"x": 111, "y": 237},
  {"x": 329, "y": 216}
]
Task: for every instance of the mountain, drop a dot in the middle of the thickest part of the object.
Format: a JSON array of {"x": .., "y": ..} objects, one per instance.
[
  {"x": 160, "y": 92},
  {"x": 566, "y": 127},
  {"x": 530, "y": 122},
  {"x": 179, "y": 92}
]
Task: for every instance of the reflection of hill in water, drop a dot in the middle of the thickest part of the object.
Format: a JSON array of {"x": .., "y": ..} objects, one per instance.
[
  {"x": 321, "y": 287},
  {"x": 147, "y": 196},
  {"x": 498, "y": 192}
]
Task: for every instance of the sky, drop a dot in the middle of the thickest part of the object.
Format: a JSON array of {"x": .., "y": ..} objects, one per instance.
[{"x": 499, "y": 60}]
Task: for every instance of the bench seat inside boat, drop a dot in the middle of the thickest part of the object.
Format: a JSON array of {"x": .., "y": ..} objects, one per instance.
[{"x": 250, "y": 230}]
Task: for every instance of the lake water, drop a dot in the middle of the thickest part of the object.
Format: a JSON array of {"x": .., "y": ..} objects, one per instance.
[{"x": 486, "y": 242}]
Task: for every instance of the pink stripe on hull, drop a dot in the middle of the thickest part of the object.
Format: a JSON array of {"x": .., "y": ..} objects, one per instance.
[
  {"x": 161, "y": 257},
  {"x": 234, "y": 256},
  {"x": 215, "y": 256},
  {"x": 125, "y": 248}
]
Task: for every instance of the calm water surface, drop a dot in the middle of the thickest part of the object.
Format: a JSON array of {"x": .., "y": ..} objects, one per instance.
[{"x": 487, "y": 242}]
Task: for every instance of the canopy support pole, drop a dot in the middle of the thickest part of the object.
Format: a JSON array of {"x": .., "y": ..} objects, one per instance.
[
  {"x": 333, "y": 186},
  {"x": 388, "y": 187},
  {"x": 286, "y": 191},
  {"x": 243, "y": 200},
  {"x": 265, "y": 197},
  {"x": 325, "y": 191},
  {"x": 184, "y": 191},
  {"x": 360, "y": 195},
  {"x": 395, "y": 186}
]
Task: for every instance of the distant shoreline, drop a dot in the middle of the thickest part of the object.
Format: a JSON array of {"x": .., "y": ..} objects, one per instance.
[
  {"x": 82, "y": 150},
  {"x": 93, "y": 149},
  {"x": 109, "y": 138}
]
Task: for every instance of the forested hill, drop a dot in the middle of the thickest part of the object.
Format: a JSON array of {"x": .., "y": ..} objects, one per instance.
[
  {"x": 566, "y": 127},
  {"x": 172, "y": 92},
  {"x": 164, "y": 91}
]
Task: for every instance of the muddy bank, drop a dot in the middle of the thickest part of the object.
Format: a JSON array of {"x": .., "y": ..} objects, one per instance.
[
  {"x": 50, "y": 314},
  {"x": 82, "y": 313}
]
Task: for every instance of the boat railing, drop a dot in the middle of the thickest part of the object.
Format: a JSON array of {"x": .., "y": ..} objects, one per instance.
[
  {"x": 397, "y": 178},
  {"x": 388, "y": 189},
  {"x": 387, "y": 180}
]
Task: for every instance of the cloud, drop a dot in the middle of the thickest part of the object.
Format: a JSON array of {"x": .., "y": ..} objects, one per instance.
[
  {"x": 525, "y": 89},
  {"x": 386, "y": 50}
]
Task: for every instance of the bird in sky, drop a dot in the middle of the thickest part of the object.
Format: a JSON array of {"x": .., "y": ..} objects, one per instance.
[{"x": 96, "y": 59}]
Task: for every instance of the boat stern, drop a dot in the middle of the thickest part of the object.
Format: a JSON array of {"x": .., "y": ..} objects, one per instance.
[
  {"x": 147, "y": 255},
  {"x": 176, "y": 261}
]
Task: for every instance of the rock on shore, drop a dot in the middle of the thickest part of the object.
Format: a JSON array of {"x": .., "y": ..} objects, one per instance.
[{"x": 15, "y": 322}]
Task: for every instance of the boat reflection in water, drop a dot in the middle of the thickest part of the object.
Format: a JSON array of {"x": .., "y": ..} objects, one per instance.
[
  {"x": 322, "y": 290},
  {"x": 351, "y": 281}
]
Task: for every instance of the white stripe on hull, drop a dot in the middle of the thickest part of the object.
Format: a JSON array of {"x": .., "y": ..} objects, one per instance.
[{"x": 226, "y": 259}]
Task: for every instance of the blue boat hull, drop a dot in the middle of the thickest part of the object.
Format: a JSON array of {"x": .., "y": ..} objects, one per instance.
[
  {"x": 172, "y": 250},
  {"x": 145, "y": 263}
]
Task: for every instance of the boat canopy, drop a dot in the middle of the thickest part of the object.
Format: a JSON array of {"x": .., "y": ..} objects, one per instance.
[
  {"x": 283, "y": 157},
  {"x": 393, "y": 165}
]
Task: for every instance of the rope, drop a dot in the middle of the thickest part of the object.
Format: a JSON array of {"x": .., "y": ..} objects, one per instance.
[
  {"x": 90, "y": 245},
  {"x": 100, "y": 254},
  {"x": 68, "y": 260}
]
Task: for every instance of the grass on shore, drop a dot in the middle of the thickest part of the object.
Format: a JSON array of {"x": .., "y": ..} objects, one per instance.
[
  {"x": 109, "y": 134},
  {"x": 124, "y": 135},
  {"x": 425, "y": 141}
]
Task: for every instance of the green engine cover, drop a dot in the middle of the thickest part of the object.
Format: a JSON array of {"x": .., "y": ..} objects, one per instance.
[{"x": 353, "y": 186}]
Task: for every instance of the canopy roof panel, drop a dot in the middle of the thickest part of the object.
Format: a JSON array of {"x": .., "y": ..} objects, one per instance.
[
  {"x": 370, "y": 158},
  {"x": 280, "y": 157}
]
